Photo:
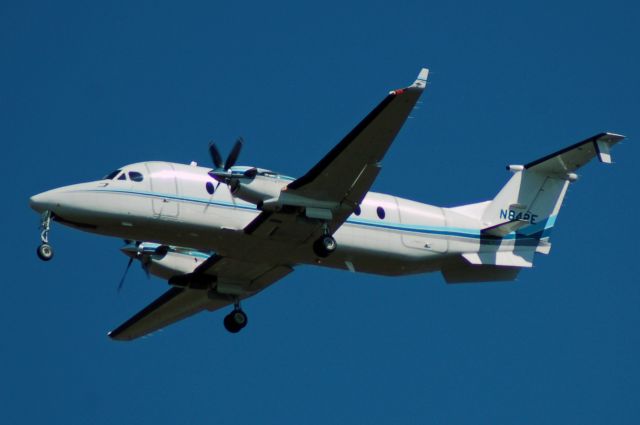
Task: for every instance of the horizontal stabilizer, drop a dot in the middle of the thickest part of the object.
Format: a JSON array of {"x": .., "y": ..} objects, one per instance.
[
  {"x": 503, "y": 229},
  {"x": 575, "y": 156}
]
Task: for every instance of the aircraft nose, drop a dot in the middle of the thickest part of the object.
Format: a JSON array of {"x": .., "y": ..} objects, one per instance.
[{"x": 42, "y": 201}]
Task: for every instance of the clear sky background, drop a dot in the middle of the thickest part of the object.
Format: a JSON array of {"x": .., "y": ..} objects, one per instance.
[{"x": 86, "y": 87}]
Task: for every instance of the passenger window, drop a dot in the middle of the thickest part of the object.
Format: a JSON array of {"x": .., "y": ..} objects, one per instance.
[
  {"x": 357, "y": 210},
  {"x": 210, "y": 188},
  {"x": 380, "y": 212},
  {"x": 135, "y": 176},
  {"x": 123, "y": 176}
]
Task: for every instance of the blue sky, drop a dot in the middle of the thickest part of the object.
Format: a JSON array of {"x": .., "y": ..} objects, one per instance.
[{"x": 87, "y": 87}]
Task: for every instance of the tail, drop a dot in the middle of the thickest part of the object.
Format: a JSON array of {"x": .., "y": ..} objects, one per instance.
[
  {"x": 530, "y": 201},
  {"x": 519, "y": 220}
]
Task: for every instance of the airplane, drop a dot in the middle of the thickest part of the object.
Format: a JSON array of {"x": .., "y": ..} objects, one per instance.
[{"x": 224, "y": 233}]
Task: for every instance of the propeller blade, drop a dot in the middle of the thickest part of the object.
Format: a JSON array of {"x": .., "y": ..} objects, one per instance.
[
  {"x": 233, "y": 156},
  {"x": 126, "y": 270},
  {"x": 215, "y": 155}
]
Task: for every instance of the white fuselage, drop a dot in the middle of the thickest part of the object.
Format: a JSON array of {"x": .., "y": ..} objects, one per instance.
[{"x": 171, "y": 205}]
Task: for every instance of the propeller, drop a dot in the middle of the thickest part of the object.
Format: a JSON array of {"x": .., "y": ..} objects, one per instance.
[
  {"x": 127, "y": 249},
  {"x": 222, "y": 173},
  {"x": 124, "y": 275},
  {"x": 138, "y": 251}
]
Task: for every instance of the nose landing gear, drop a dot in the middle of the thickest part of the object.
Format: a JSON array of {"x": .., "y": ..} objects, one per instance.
[
  {"x": 45, "y": 251},
  {"x": 235, "y": 321}
]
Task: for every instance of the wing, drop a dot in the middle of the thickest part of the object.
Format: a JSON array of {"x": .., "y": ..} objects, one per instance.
[
  {"x": 192, "y": 293},
  {"x": 331, "y": 190},
  {"x": 175, "y": 304},
  {"x": 349, "y": 169}
]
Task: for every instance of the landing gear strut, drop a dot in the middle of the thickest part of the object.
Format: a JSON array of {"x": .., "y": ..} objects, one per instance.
[
  {"x": 44, "y": 251},
  {"x": 235, "y": 321},
  {"x": 324, "y": 246}
]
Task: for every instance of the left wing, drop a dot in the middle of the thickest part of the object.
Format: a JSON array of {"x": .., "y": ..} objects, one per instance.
[
  {"x": 174, "y": 305},
  {"x": 193, "y": 293},
  {"x": 335, "y": 186}
]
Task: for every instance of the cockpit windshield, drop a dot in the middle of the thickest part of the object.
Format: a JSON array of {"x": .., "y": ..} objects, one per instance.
[{"x": 111, "y": 175}]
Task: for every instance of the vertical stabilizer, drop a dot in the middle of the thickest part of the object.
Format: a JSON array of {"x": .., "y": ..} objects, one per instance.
[{"x": 534, "y": 195}]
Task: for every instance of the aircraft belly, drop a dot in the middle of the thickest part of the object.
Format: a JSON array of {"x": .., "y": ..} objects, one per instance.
[
  {"x": 381, "y": 263},
  {"x": 378, "y": 251}
]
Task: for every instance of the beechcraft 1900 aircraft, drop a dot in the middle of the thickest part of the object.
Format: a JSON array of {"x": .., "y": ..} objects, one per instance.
[{"x": 219, "y": 235}]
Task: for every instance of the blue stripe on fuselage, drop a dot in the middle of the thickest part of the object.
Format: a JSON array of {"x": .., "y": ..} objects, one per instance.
[{"x": 535, "y": 231}]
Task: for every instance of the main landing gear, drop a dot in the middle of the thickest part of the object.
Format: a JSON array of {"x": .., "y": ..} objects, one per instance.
[
  {"x": 324, "y": 246},
  {"x": 44, "y": 251},
  {"x": 235, "y": 321}
]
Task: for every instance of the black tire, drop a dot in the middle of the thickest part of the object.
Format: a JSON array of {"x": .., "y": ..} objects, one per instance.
[
  {"x": 324, "y": 246},
  {"x": 45, "y": 252},
  {"x": 235, "y": 321},
  {"x": 230, "y": 325}
]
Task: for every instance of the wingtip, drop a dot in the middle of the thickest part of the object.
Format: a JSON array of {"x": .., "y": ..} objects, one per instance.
[
  {"x": 423, "y": 74},
  {"x": 614, "y": 136},
  {"x": 115, "y": 336},
  {"x": 421, "y": 80}
]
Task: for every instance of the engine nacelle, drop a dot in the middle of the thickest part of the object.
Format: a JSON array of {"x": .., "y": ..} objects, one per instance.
[
  {"x": 177, "y": 261},
  {"x": 165, "y": 261},
  {"x": 258, "y": 189}
]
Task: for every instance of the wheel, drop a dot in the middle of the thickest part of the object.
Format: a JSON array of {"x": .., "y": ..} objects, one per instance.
[
  {"x": 324, "y": 246},
  {"x": 45, "y": 252},
  {"x": 230, "y": 325},
  {"x": 235, "y": 321}
]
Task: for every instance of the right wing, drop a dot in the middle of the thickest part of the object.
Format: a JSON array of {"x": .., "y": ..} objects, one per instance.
[
  {"x": 332, "y": 189},
  {"x": 349, "y": 169}
]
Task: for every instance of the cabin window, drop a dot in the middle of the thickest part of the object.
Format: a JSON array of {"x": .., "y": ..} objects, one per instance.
[
  {"x": 210, "y": 188},
  {"x": 135, "y": 176},
  {"x": 357, "y": 210},
  {"x": 380, "y": 212},
  {"x": 111, "y": 175}
]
